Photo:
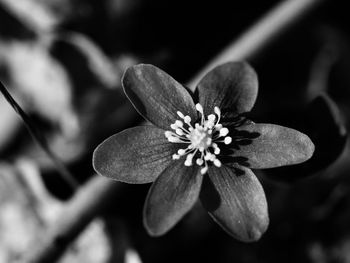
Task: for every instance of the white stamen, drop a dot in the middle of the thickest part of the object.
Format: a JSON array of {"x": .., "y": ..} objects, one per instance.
[
  {"x": 204, "y": 169},
  {"x": 181, "y": 151},
  {"x": 176, "y": 156},
  {"x": 218, "y": 127},
  {"x": 201, "y": 138},
  {"x": 211, "y": 117},
  {"x": 189, "y": 158},
  {"x": 168, "y": 134},
  {"x": 179, "y": 131},
  {"x": 179, "y": 123},
  {"x": 223, "y": 132},
  {"x": 207, "y": 156},
  {"x": 199, "y": 161},
  {"x": 227, "y": 140},
  {"x": 173, "y": 139},
  {"x": 217, "y": 111},
  {"x": 217, "y": 163},
  {"x": 187, "y": 119},
  {"x": 199, "y": 108},
  {"x": 216, "y": 148},
  {"x": 180, "y": 114}
]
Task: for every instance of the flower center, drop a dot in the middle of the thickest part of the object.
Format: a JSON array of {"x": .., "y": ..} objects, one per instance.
[{"x": 202, "y": 139}]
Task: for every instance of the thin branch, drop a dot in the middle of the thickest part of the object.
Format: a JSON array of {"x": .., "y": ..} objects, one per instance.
[
  {"x": 91, "y": 200},
  {"x": 265, "y": 31},
  {"x": 249, "y": 44},
  {"x": 40, "y": 139}
]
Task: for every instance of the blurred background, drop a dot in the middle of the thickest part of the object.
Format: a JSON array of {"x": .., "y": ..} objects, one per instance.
[{"x": 62, "y": 62}]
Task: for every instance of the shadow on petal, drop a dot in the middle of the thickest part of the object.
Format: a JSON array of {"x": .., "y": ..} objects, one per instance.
[
  {"x": 237, "y": 203},
  {"x": 228, "y": 155},
  {"x": 171, "y": 196},
  {"x": 322, "y": 121},
  {"x": 156, "y": 95},
  {"x": 233, "y": 85},
  {"x": 274, "y": 146}
]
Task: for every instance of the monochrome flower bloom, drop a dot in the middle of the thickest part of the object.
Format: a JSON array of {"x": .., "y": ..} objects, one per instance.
[{"x": 199, "y": 146}]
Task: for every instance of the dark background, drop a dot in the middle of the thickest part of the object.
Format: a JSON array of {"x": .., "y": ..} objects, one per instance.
[{"x": 63, "y": 60}]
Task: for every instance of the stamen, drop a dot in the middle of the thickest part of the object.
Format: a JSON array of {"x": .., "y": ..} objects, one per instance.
[
  {"x": 202, "y": 137},
  {"x": 227, "y": 140},
  {"x": 223, "y": 132},
  {"x": 168, "y": 134},
  {"x": 204, "y": 169},
  {"x": 181, "y": 151},
  {"x": 218, "y": 127},
  {"x": 180, "y": 114},
  {"x": 218, "y": 113},
  {"x": 199, "y": 161},
  {"x": 216, "y": 148},
  {"x": 179, "y": 123},
  {"x": 217, "y": 163},
  {"x": 176, "y": 156},
  {"x": 199, "y": 108},
  {"x": 187, "y": 120},
  {"x": 189, "y": 158},
  {"x": 179, "y": 131},
  {"x": 173, "y": 139}
]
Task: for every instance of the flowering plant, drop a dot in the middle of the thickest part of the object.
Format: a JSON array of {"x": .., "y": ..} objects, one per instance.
[{"x": 200, "y": 145}]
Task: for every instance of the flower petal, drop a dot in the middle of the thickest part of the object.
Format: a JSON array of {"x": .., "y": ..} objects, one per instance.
[
  {"x": 236, "y": 201},
  {"x": 156, "y": 95},
  {"x": 171, "y": 196},
  {"x": 269, "y": 145},
  {"x": 136, "y": 155},
  {"x": 232, "y": 86},
  {"x": 322, "y": 121}
]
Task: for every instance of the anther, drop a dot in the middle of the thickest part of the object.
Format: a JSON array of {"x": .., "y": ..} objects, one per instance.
[
  {"x": 178, "y": 123},
  {"x": 187, "y": 119},
  {"x": 168, "y": 134},
  {"x": 179, "y": 131},
  {"x": 180, "y": 114},
  {"x": 217, "y": 111},
  {"x": 199, "y": 108},
  {"x": 217, "y": 163},
  {"x": 188, "y": 161},
  {"x": 176, "y": 156},
  {"x": 204, "y": 169},
  {"x": 223, "y": 132},
  {"x": 227, "y": 140},
  {"x": 181, "y": 151},
  {"x": 199, "y": 161}
]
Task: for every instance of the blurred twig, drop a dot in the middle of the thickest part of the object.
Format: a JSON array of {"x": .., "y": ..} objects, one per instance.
[
  {"x": 265, "y": 31},
  {"x": 88, "y": 202},
  {"x": 99, "y": 189},
  {"x": 39, "y": 138}
]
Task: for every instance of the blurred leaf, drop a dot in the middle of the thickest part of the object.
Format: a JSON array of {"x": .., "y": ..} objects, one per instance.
[
  {"x": 41, "y": 83},
  {"x": 11, "y": 27},
  {"x": 32, "y": 14},
  {"x": 9, "y": 123},
  {"x": 85, "y": 60},
  {"x": 322, "y": 122}
]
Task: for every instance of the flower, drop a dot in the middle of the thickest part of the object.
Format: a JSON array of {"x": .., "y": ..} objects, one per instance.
[{"x": 199, "y": 150}]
